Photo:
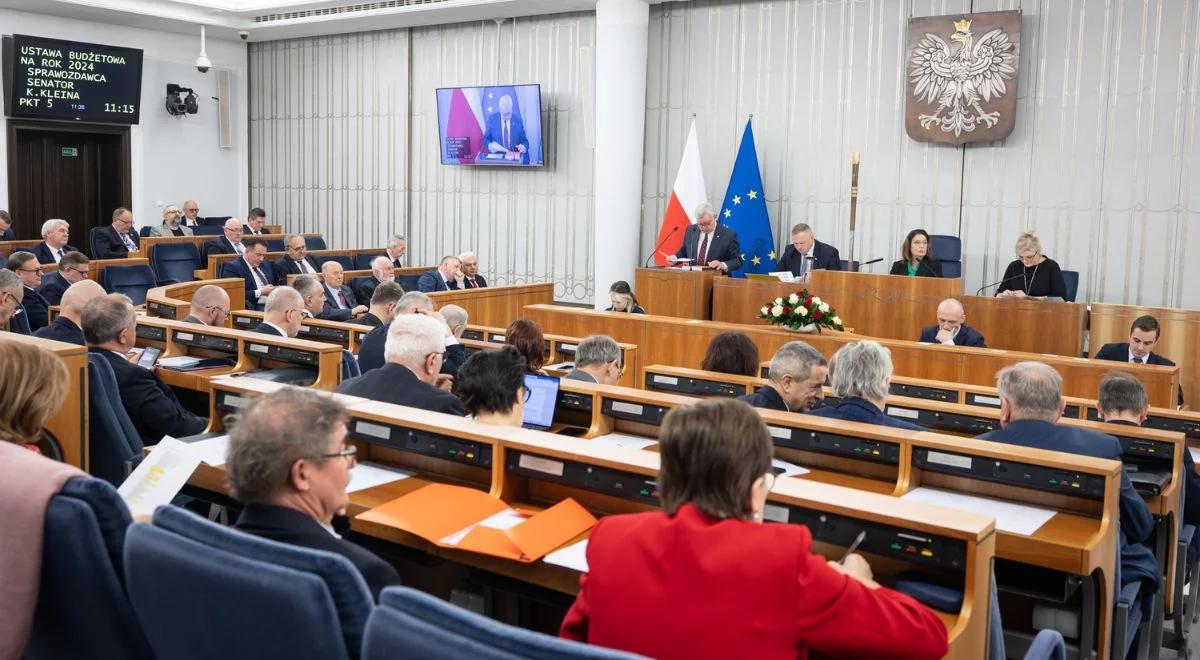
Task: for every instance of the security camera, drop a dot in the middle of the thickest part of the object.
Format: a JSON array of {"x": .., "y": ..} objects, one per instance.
[
  {"x": 244, "y": 35},
  {"x": 203, "y": 64}
]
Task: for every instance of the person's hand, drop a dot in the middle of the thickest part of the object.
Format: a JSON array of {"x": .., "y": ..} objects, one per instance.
[
  {"x": 443, "y": 382},
  {"x": 719, "y": 265},
  {"x": 944, "y": 337},
  {"x": 856, "y": 567},
  {"x": 494, "y": 147},
  {"x": 1017, "y": 293},
  {"x": 266, "y": 290},
  {"x": 360, "y": 310},
  {"x": 520, "y": 148}
]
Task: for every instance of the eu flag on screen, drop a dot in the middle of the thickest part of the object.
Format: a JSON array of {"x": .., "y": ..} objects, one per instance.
[
  {"x": 491, "y": 100},
  {"x": 745, "y": 210}
]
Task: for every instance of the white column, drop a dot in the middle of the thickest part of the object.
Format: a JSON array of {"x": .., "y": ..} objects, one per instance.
[{"x": 621, "y": 42}]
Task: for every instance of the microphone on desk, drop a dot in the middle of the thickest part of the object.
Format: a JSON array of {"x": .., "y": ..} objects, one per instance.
[
  {"x": 660, "y": 244},
  {"x": 859, "y": 267},
  {"x": 1003, "y": 281}
]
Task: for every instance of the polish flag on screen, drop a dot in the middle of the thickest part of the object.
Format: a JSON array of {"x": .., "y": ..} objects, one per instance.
[
  {"x": 688, "y": 193},
  {"x": 463, "y": 123}
]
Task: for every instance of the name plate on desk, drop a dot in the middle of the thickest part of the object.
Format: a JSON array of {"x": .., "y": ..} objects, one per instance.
[
  {"x": 922, "y": 392},
  {"x": 837, "y": 445},
  {"x": 1022, "y": 475},
  {"x": 339, "y": 336},
  {"x": 163, "y": 310},
  {"x": 618, "y": 483},
  {"x": 425, "y": 443},
  {"x": 684, "y": 385},
  {"x": 224, "y": 344},
  {"x": 574, "y": 401},
  {"x": 151, "y": 333},
  {"x": 634, "y": 412}
]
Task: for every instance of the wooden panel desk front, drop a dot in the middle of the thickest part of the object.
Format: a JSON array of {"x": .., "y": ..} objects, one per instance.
[
  {"x": 1025, "y": 324},
  {"x": 888, "y": 306},
  {"x": 676, "y": 292},
  {"x": 1178, "y": 338},
  {"x": 680, "y": 342},
  {"x": 497, "y": 305},
  {"x": 68, "y": 425}
]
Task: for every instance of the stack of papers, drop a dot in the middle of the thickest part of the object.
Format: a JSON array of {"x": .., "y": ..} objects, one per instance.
[
  {"x": 625, "y": 440},
  {"x": 159, "y": 477},
  {"x": 211, "y": 450},
  {"x": 369, "y": 475},
  {"x": 1010, "y": 517},
  {"x": 179, "y": 362},
  {"x": 573, "y": 556},
  {"x": 785, "y": 469}
]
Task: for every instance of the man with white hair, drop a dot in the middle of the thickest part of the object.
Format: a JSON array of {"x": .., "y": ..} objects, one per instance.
[
  {"x": 471, "y": 279},
  {"x": 411, "y": 374},
  {"x": 709, "y": 244},
  {"x": 340, "y": 303},
  {"x": 505, "y": 131},
  {"x": 12, "y": 292},
  {"x": 597, "y": 360},
  {"x": 229, "y": 243},
  {"x": 952, "y": 328},
  {"x": 445, "y": 278},
  {"x": 55, "y": 234},
  {"x": 396, "y": 249},
  {"x": 117, "y": 240},
  {"x": 806, "y": 254},
  {"x": 68, "y": 325},
  {"x": 455, "y": 318},
  {"x": 382, "y": 270},
  {"x": 371, "y": 348},
  {"x": 383, "y": 305},
  {"x": 795, "y": 380},
  {"x": 861, "y": 373}
]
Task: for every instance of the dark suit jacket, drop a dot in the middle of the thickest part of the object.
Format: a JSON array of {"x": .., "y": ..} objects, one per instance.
[
  {"x": 150, "y": 403},
  {"x": 219, "y": 245},
  {"x": 478, "y": 282},
  {"x": 825, "y": 257},
  {"x": 396, "y": 383},
  {"x": 286, "y": 266},
  {"x": 46, "y": 256},
  {"x": 109, "y": 244},
  {"x": 370, "y": 350},
  {"x": 855, "y": 409},
  {"x": 926, "y": 268},
  {"x": 495, "y": 132},
  {"x": 297, "y": 528},
  {"x": 267, "y": 330},
  {"x": 62, "y": 329},
  {"x": 19, "y": 323},
  {"x": 765, "y": 397},
  {"x": 432, "y": 281},
  {"x": 239, "y": 268},
  {"x": 332, "y": 312},
  {"x": 1119, "y": 352},
  {"x": 53, "y": 286},
  {"x": 456, "y": 355},
  {"x": 723, "y": 246},
  {"x": 36, "y": 310},
  {"x": 967, "y": 336},
  {"x": 364, "y": 288},
  {"x": 368, "y": 319},
  {"x": 7, "y": 235}
]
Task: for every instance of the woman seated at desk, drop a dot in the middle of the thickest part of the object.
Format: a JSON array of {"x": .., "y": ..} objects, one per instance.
[
  {"x": 1033, "y": 274},
  {"x": 622, "y": 299},
  {"x": 705, "y": 578},
  {"x": 916, "y": 257}
]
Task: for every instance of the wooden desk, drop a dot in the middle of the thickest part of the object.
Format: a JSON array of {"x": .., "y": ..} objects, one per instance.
[
  {"x": 737, "y": 300},
  {"x": 496, "y": 305},
  {"x": 1179, "y": 337},
  {"x": 1025, "y": 324},
  {"x": 174, "y": 300},
  {"x": 68, "y": 426},
  {"x": 676, "y": 292},
  {"x": 888, "y": 306}
]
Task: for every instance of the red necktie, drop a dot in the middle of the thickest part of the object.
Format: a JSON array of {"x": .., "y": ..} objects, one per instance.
[{"x": 703, "y": 250}]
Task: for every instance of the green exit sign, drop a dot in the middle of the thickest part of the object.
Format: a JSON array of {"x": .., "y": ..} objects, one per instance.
[{"x": 70, "y": 152}]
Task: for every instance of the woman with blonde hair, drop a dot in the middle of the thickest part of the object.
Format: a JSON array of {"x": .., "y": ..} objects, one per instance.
[
  {"x": 35, "y": 385},
  {"x": 620, "y": 294},
  {"x": 1032, "y": 274}
]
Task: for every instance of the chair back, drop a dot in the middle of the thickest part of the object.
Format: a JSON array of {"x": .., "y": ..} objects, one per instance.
[
  {"x": 115, "y": 444},
  {"x": 363, "y": 261},
  {"x": 144, "y": 232},
  {"x": 92, "y": 239},
  {"x": 410, "y": 282},
  {"x": 82, "y": 610},
  {"x": 208, "y": 230},
  {"x": 176, "y": 261},
  {"x": 133, "y": 281},
  {"x": 202, "y": 590},
  {"x": 315, "y": 243},
  {"x": 274, "y": 245},
  {"x": 945, "y": 247},
  {"x": 214, "y": 220},
  {"x": 349, "y": 365},
  {"x": 412, "y": 624},
  {"x": 951, "y": 268},
  {"x": 1071, "y": 279},
  {"x": 342, "y": 259}
]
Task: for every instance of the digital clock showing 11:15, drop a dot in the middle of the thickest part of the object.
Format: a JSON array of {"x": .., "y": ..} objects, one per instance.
[{"x": 126, "y": 108}]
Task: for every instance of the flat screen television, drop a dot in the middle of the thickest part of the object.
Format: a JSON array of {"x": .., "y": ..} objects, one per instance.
[
  {"x": 497, "y": 125},
  {"x": 71, "y": 80}
]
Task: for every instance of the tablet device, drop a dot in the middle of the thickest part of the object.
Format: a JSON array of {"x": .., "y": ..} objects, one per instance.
[{"x": 541, "y": 401}]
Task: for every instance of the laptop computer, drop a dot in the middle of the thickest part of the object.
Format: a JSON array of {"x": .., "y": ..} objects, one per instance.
[{"x": 543, "y": 399}]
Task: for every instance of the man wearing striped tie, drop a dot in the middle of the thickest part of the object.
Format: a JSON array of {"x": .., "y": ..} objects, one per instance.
[{"x": 1143, "y": 335}]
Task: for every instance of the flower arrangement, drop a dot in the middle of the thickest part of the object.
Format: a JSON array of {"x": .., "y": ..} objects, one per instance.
[{"x": 799, "y": 310}]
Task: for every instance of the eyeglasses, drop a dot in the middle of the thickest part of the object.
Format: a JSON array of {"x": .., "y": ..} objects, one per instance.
[
  {"x": 527, "y": 393},
  {"x": 81, "y": 271},
  {"x": 440, "y": 354},
  {"x": 224, "y": 312},
  {"x": 191, "y": 210},
  {"x": 37, "y": 270},
  {"x": 349, "y": 453}
]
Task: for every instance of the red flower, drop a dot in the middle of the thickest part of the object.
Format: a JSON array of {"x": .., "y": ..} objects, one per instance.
[
  {"x": 787, "y": 310},
  {"x": 817, "y": 315},
  {"x": 807, "y": 301}
]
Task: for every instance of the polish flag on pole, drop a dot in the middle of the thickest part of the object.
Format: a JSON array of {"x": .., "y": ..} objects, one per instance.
[{"x": 688, "y": 193}]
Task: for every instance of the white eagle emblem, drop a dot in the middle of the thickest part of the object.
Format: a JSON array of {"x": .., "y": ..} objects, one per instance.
[{"x": 959, "y": 79}]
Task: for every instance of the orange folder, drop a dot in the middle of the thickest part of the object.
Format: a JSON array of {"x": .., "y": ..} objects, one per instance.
[{"x": 439, "y": 512}]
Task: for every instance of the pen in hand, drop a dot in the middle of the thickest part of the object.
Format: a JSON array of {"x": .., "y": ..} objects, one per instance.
[{"x": 854, "y": 546}]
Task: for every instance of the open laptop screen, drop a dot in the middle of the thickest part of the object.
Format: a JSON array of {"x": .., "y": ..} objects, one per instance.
[{"x": 543, "y": 397}]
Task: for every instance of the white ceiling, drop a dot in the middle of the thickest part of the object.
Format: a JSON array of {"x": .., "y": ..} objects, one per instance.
[{"x": 267, "y": 20}]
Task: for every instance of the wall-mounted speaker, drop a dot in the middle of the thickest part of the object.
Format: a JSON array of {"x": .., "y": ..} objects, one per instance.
[{"x": 224, "y": 108}]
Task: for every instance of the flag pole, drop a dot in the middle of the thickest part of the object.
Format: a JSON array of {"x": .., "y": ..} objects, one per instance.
[{"x": 853, "y": 203}]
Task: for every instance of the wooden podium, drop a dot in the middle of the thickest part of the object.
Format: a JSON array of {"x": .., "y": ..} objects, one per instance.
[{"x": 676, "y": 292}]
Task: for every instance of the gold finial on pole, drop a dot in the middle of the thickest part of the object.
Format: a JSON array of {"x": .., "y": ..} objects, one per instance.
[{"x": 854, "y": 161}]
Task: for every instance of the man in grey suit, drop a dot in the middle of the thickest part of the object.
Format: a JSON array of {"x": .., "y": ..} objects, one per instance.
[
  {"x": 597, "y": 360},
  {"x": 210, "y": 306},
  {"x": 708, "y": 244}
]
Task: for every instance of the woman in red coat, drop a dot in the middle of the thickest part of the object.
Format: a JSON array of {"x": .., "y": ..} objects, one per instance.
[{"x": 705, "y": 579}]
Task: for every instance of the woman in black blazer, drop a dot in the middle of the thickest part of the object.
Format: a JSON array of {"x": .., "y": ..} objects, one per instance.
[
  {"x": 1032, "y": 274},
  {"x": 916, "y": 257}
]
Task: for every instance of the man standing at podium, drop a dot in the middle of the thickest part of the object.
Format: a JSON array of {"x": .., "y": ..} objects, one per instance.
[
  {"x": 807, "y": 254},
  {"x": 708, "y": 244}
]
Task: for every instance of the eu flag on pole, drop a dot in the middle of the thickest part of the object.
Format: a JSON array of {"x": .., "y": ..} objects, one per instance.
[{"x": 745, "y": 210}]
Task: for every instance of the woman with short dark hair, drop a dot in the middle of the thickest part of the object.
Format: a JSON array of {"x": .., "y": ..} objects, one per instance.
[
  {"x": 525, "y": 336},
  {"x": 715, "y": 582},
  {"x": 732, "y": 353},
  {"x": 491, "y": 385}
]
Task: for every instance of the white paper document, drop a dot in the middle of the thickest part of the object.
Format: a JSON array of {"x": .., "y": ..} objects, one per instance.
[
  {"x": 1195, "y": 453},
  {"x": 1010, "y": 517},
  {"x": 370, "y": 475},
  {"x": 624, "y": 440},
  {"x": 506, "y": 519},
  {"x": 573, "y": 556},
  {"x": 789, "y": 469},
  {"x": 178, "y": 362},
  {"x": 159, "y": 477},
  {"x": 211, "y": 450}
]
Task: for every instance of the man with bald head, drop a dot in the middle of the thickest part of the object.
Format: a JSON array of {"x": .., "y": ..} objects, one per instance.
[
  {"x": 210, "y": 306},
  {"x": 284, "y": 313},
  {"x": 952, "y": 328},
  {"x": 67, "y": 326},
  {"x": 230, "y": 242},
  {"x": 340, "y": 303}
]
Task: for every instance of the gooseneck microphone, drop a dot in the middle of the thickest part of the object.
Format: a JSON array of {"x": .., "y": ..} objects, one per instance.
[
  {"x": 1003, "y": 281},
  {"x": 660, "y": 244}
]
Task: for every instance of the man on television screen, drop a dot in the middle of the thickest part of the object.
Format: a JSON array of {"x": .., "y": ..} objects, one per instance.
[{"x": 506, "y": 132}]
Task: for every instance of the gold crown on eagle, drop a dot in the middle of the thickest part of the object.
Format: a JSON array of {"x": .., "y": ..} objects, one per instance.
[{"x": 963, "y": 26}]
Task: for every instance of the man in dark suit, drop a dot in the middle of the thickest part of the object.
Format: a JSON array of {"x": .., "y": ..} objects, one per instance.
[
  {"x": 67, "y": 326},
  {"x": 795, "y": 380},
  {"x": 55, "y": 234},
  {"x": 254, "y": 269},
  {"x": 445, "y": 278},
  {"x": 191, "y": 214},
  {"x": 806, "y": 254},
  {"x": 505, "y": 131},
  {"x": 471, "y": 279},
  {"x": 1143, "y": 335},
  {"x": 229, "y": 243},
  {"x": 296, "y": 261},
  {"x": 284, "y": 313},
  {"x": 1031, "y": 402},
  {"x": 708, "y": 244},
  {"x": 383, "y": 305},
  {"x": 11, "y": 293},
  {"x": 210, "y": 306},
  {"x": 382, "y": 270},
  {"x": 411, "y": 375},
  {"x": 370, "y": 349},
  {"x": 1122, "y": 400},
  {"x": 256, "y": 222},
  {"x": 117, "y": 240},
  {"x": 298, "y": 437},
  {"x": 952, "y": 328},
  {"x": 109, "y": 326},
  {"x": 396, "y": 249},
  {"x": 26, "y": 266},
  {"x": 6, "y": 232},
  {"x": 340, "y": 303},
  {"x": 73, "y": 268},
  {"x": 597, "y": 360},
  {"x": 861, "y": 377}
]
